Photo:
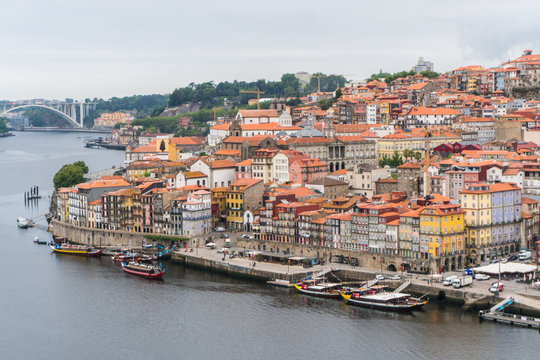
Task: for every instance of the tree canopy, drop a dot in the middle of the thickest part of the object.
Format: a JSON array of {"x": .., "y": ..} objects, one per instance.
[
  {"x": 82, "y": 165},
  {"x": 388, "y": 78},
  {"x": 393, "y": 161},
  {"x": 69, "y": 175},
  {"x": 3, "y": 127}
]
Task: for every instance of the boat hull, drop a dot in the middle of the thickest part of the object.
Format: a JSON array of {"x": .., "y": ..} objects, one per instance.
[
  {"x": 383, "y": 306},
  {"x": 76, "y": 252},
  {"x": 328, "y": 295},
  {"x": 153, "y": 276}
]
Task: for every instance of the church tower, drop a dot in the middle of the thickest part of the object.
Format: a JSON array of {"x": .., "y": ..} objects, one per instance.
[
  {"x": 329, "y": 130},
  {"x": 235, "y": 129}
]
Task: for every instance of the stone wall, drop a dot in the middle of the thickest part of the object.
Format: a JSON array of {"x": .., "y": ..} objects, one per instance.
[
  {"x": 99, "y": 237},
  {"x": 508, "y": 130},
  {"x": 366, "y": 260}
]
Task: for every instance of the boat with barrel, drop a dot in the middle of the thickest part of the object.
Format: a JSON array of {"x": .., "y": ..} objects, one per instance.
[
  {"x": 130, "y": 256},
  {"x": 70, "y": 249},
  {"x": 383, "y": 300},
  {"x": 322, "y": 284},
  {"x": 149, "y": 271},
  {"x": 321, "y": 289}
]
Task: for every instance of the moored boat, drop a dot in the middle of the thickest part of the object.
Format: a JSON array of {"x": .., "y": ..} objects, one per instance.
[
  {"x": 128, "y": 257},
  {"x": 326, "y": 290},
  {"x": 162, "y": 255},
  {"x": 23, "y": 223},
  {"x": 80, "y": 250},
  {"x": 390, "y": 301},
  {"x": 148, "y": 271},
  {"x": 39, "y": 241}
]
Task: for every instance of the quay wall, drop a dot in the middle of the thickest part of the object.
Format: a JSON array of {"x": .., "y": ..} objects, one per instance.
[
  {"x": 100, "y": 237},
  {"x": 232, "y": 270},
  {"x": 112, "y": 238},
  {"x": 365, "y": 260}
]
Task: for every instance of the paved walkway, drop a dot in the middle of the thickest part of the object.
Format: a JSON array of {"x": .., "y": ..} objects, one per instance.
[{"x": 478, "y": 289}]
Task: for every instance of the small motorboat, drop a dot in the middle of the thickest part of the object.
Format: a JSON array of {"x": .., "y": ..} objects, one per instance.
[
  {"x": 149, "y": 271},
  {"x": 39, "y": 241},
  {"x": 162, "y": 255},
  {"x": 80, "y": 250},
  {"x": 22, "y": 222}
]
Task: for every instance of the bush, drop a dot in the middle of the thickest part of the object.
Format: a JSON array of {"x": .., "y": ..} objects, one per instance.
[{"x": 165, "y": 238}]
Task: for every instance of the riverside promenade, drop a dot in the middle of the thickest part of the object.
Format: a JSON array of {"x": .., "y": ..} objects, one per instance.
[{"x": 473, "y": 298}]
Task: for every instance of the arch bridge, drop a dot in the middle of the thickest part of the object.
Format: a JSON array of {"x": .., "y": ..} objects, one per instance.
[{"x": 73, "y": 112}]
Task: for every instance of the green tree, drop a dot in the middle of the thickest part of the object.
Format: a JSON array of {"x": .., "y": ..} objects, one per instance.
[
  {"x": 418, "y": 155},
  {"x": 396, "y": 160},
  {"x": 3, "y": 127},
  {"x": 69, "y": 175},
  {"x": 82, "y": 165},
  {"x": 430, "y": 74}
]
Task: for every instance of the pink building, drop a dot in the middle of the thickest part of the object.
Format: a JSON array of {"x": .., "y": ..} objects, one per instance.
[
  {"x": 307, "y": 170},
  {"x": 243, "y": 169}
]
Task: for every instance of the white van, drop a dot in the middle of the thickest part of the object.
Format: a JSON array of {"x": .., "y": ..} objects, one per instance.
[
  {"x": 449, "y": 280},
  {"x": 525, "y": 255}
]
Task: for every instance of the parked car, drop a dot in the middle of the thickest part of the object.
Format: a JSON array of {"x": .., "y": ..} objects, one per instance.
[
  {"x": 512, "y": 258},
  {"x": 219, "y": 229},
  {"x": 481, "y": 277},
  {"x": 494, "y": 289},
  {"x": 210, "y": 245},
  {"x": 494, "y": 261},
  {"x": 394, "y": 277},
  {"x": 379, "y": 277},
  {"x": 223, "y": 251},
  {"x": 246, "y": 236},
  {"x": 224, "y": 236}
]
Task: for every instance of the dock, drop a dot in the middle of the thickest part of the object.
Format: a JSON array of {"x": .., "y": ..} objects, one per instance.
[
  {"x": 496, "y": 314},
  {"x": 511, "y": 319}
]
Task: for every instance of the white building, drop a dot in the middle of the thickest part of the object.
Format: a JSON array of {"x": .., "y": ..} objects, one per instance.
[
  {"x": 197, "y": 214},
  {"x": 221, "y": 173}
]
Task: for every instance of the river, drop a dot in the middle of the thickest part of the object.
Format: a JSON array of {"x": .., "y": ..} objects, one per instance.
[{"x": 62, "y": 307}]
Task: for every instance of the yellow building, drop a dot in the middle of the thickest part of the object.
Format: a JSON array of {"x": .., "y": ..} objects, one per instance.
[
  {"x": 219, "y": 197},
  {"x": 442, "y": 227},
  {"x": 413, "y": 140},
  {"x": 94, "y": 214},
  {"x": 143, "y": 168},
  {"x": 477, "y": 205},
  {"x": 492, "y": 220},
  {"x": 109, "y": 120},
  {"x": 63, "y": 203},
  {"x": 244, "y": 195}
]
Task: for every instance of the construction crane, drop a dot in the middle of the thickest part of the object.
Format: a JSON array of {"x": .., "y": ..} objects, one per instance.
[
  {"x": 258, "y": 92},
  {"x": 318, "y": 83},
  {"x": 215, "y": 109},
  {"x": 426, "y": 165}
]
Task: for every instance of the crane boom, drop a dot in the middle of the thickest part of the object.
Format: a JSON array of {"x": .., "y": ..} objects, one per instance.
[{"x": 258, "y": 92}]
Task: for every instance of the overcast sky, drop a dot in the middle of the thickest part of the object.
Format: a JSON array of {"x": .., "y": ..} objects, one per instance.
[{"x": 54, "y": 49}]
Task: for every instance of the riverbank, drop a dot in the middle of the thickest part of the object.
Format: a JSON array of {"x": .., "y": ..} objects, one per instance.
[
  {"x": 472, "y": 298},
  {"x": 475, "y": 297}
]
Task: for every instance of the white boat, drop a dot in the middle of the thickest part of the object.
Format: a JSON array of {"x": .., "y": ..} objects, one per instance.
[
  {"x": 22, "y": 222},
  {"x": 385, "y": 301}
]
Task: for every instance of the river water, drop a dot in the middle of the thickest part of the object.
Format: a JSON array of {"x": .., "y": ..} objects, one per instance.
[{"x": 62, "y": 307}]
